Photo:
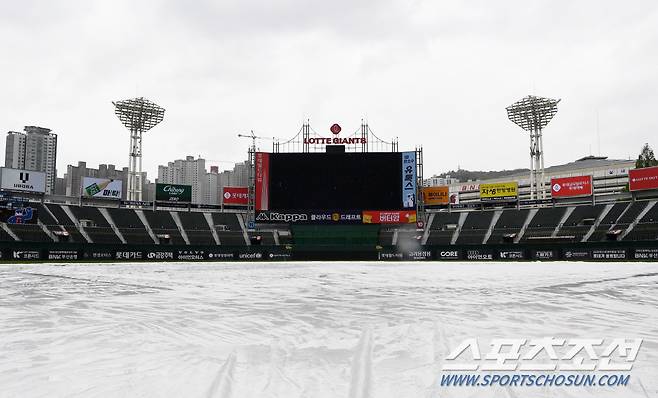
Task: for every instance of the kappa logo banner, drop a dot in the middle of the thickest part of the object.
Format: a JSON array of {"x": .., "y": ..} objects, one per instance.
[
  {"x": 499, "y": 191},
  {"x": 571, "y": 186},
  {"x": 409, "y": 180}
]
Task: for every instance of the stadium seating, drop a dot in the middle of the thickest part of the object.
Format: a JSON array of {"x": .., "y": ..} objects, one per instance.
[
  {"x": 509, "y": 223},
  {"x": 475, "y": 228},
  {"x": 64, "y": 222},
  {"x": 100, "y": 231},
  {"x": 544, "y": 222},
  {"x": 228, "y": 229},
  {"x": 442, "y": 228},
  {"x": 409, "y": 237},
  {"x": 385, "y": 237},
  {"x": 579, "y": 222},
  {"x": 607, "y": 222},
  {"x": 196, "y": 227},
  {"x": 163, "y": 224},
  {"x": 29, "y": 232},
  {"x": 130, "y": 226},
  {"x": 629, "y": 216},
  {"x": 5, "y": 237},
  {"x": 647, "y": 226}
]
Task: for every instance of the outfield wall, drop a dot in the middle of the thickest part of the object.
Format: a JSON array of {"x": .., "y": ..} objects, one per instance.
[{"x": 71, "y": 252}]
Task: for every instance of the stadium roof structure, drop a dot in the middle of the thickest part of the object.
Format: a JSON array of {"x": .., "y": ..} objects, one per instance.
[{"x": 531, "y": 112}]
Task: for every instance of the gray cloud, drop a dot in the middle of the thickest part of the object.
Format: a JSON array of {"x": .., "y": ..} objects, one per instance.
[{"x": 437, "y": 74}]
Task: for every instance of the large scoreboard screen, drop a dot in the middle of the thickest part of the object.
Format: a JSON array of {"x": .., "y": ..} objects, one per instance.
[{"x": 293, "y": 187}]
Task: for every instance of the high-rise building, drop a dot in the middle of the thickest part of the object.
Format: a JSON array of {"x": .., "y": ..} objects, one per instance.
[
  {"x": 188, "y": 171},
  {"x": 35, "y": 149}
]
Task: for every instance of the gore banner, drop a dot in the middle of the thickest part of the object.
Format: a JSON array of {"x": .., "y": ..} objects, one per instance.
[
  {"x": 236, "y": 196},
  {"x": 173, "y": 193},
  {"x": 499, "y": 191},
  {"x": 262, "y": 194},
  {"x": 571, "y": 186},
  {"x": 409, "y": 180},
  {"x": 436, "y": 196},
  {"x": 389, "y": 217},
  {"x": 103, "y": 188},
  {"x": 641, "y": 179}
]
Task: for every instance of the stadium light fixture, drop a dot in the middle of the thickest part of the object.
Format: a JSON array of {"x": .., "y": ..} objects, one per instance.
[
  {"x": 532, "y": 114},
  {"x": 139, "y": 115}
]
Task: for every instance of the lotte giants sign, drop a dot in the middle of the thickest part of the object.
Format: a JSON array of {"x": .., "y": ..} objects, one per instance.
[
  {"x": 236, "y": 196},
  {"x": 643, "y": 179},
  {"x": 571, "y": 186}
]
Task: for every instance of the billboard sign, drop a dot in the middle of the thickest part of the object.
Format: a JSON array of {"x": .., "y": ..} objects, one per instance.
[
  {"x": 19, "y": 215},
  {"x": 23, "y": 180},
  {"x": 173, "y": 193},
  {"x": 436, "y": 196},
  {"x": 638, "y": 179},
  {"x": 389, "y": 217},
  {"x": 499, "y": 191},
  {"x": 101, "y": 188},
  {"x": 409, "y": 180},
  {"x": 235, "y": 196},
  {"x": 571, "y": 186},
  {"x": 262, "y": 194}
]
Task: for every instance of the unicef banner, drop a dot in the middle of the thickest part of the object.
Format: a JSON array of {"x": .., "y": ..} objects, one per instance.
[
  {"x": 408, "y": 180},
  {"x": 101, "y": 188},
  {"x": 173, "y": 193}
]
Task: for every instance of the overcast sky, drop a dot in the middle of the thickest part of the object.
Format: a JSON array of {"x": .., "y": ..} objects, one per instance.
[{"x": 433, "y": 73}]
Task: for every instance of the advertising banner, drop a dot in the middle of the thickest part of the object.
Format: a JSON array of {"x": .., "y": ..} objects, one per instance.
[
  {"x": 544, "y": 255},
  {"x": 23, "y": 180},
  {"x": 511, "y": 254},
  {"x": 235, "y": 196},
  {"x": 479, "y": 254},
  {"x": 499, "y": 191},
  {"x": 646, "y": 254},
  {"x": 315, "y": 217},
  {"x": 436, "y": 196},
  {"x": 173, "y": 193},
  {"x": 409, "y": 180},
  {"x": 448, "y": 254},
  {"x": 568, "y": 187},
  {"x": 63, "y": 255},
  {"x": 638, "y": 179},
  {"x": 389, "y": 217},
  {"x": 102, "y": 188},
  {"x": 262, "y": 194},
  {"x": 609, "y": 254},
  {"x": 19, "y": 215}
]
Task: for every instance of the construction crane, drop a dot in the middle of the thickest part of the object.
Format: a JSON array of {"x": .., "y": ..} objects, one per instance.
[{"x": 254, "y": 137}]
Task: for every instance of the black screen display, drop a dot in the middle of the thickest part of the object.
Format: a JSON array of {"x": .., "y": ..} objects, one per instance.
[{"x": 336, "y": 181}]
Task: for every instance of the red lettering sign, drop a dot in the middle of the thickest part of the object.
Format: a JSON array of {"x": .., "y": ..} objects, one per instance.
[
  {"x": 643, "y": 179},
  {"x": 571, "y": 186},
  {"x": 388, "y": 217},
  {"x": 235, "y": 196}
]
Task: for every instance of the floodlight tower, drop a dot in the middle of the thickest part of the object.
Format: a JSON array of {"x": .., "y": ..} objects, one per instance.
[
  {"x": 532, "y": 114},
  {"x": 139, "y": 115}
]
